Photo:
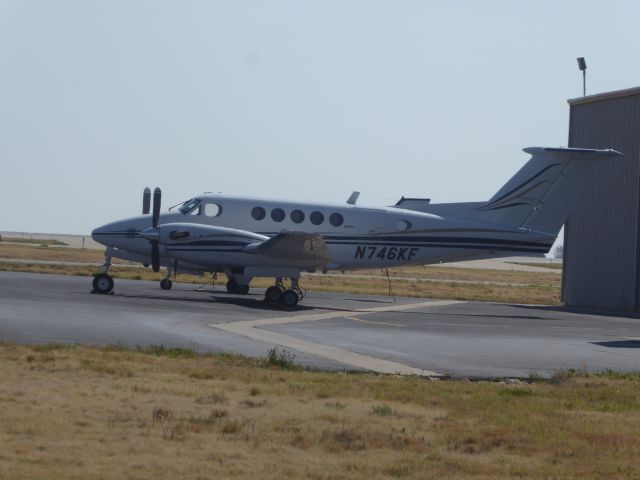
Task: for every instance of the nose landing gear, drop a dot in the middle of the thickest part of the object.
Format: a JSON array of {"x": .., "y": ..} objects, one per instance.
[
  {"x": 103, "y": 282},
  {"x": 166, "y": 283}
]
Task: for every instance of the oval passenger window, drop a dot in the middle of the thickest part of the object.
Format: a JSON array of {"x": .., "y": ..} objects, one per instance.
[
  {"x": 316, "y": 218},
  {"x": 277, "y": 214},
  {"x": 297, "y": 216},
  {"x": 336, "y": 219},
  {"x": 212, "y": 209},
  {"x": 258, "y": 213}
]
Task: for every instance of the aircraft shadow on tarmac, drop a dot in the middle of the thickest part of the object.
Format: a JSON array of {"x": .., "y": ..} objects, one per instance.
[
  {"x": 619, "y": 344},
  {"x": 254, "y": 302}
]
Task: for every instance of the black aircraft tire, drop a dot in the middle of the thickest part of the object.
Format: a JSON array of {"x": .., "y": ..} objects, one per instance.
[
  {"x": 166, "y": 284},
  {"x": 103, "y": 283},
  {"x": 273, "y": 295},
  {"x": 242, "y": 289},
  {"x": 232, "y": 286},
  {"x": 289, "y": 298}
]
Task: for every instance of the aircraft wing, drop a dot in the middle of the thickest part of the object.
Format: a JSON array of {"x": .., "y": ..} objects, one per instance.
[{"x": 298, "y": 248}]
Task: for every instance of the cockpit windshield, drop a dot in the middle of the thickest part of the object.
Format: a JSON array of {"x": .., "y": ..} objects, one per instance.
[{"x": 188, "y": 206}]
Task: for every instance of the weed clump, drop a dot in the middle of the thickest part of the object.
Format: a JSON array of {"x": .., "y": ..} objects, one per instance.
[
  {"x": 161, "y": 414},
  {"x": 231, "y": 426},
  {"x": 280, "y": 358},
  {"x": 382, "y": 410},
  {"x": 164, "y": 351},
  {"x": 515, "y": 392},
  {"x": 254, "y": 403},
  {"x": 335, "y": 405},
  {"x": 213, "y": 417},
  {"x": 254, "y": 392},
  {"x": 535, "y": 377},
  {"x": 160, "y": 350},
  {"x": 344, "y": 438}
]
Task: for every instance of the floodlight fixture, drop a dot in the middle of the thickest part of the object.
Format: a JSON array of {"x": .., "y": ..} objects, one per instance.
[{"x": 582, "y": 65}]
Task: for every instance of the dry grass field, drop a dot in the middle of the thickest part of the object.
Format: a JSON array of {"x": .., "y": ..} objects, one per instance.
[
  {"x": 30, "y": 240},
  {"x": 434, "y": 282},
  {"x": 81, "y": 412},
  {"x": 553, "y": 266}
]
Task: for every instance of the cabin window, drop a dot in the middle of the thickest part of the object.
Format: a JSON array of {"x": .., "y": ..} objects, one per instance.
[
  {"x": 277, "y": 214},
  {"x": 336, "y": 219},
  {"x": 212, "y": 209},
  {"x": 190, "y": 206},
  {"x": 316, "y": 218},
  {"x": 258, "y": 213},
  {"x": 297, "y": 216}
]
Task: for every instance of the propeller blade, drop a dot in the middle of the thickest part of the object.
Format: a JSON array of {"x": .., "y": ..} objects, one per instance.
[
  {"x": 155, "y": 256},
  {"x": 157, "y": 194},
  {"x": 146, "y": 201}
]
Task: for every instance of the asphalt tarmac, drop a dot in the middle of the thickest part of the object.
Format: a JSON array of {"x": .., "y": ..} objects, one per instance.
[{"x": 335, "y": 331}]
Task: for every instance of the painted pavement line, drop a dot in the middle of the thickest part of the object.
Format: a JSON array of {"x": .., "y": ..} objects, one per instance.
[
  {"x": 250, "y": 328},
  {"x": 369, "y": 322}
]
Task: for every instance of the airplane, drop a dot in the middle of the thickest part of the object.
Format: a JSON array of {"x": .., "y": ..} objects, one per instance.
[{"x": 247, "y": 237}]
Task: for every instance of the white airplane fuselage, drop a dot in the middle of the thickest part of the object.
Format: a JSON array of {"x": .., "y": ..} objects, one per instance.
[{"x": 357, "y": 237}]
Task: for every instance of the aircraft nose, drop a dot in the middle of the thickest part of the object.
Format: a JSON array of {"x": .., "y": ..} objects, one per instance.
[
  {"x": 98, "y": 232},
  {"x": 106, "y": 233},
  {"x": 113, "y": 233}
]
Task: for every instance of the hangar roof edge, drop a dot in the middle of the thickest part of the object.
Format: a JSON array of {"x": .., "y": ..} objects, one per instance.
[{"x": 604, "y": 96}]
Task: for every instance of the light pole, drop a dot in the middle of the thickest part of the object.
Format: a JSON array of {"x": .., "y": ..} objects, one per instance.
[{"x": 582, "y": 65}]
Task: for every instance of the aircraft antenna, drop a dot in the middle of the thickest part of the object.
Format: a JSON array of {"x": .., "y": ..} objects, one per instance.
[{"x": 390, "y": 289}]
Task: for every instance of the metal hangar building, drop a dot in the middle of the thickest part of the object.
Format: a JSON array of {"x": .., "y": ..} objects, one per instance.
[{"x": 601, "y": 267}]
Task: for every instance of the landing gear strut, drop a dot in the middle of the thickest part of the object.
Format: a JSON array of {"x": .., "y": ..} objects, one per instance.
[
  {"x": 233, "y": 287},
  {"x": 166, "y": 283},
  {"x": 103, "y": 282},
  {"x": 279, "y": 293}
]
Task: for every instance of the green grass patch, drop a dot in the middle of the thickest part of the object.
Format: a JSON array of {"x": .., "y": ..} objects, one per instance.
[
  {"x": 281, "y": 358},
  {"x": 382, "y": 410}
]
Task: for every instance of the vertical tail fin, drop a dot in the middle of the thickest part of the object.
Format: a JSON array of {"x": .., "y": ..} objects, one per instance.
[{"x": 542, "y": 194}]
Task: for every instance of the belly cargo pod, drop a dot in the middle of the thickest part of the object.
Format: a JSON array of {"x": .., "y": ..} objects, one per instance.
[{"x": 602, "y": 237}]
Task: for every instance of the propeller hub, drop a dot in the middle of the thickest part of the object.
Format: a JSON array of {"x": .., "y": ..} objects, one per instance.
[{"x": 151, "y": 234}]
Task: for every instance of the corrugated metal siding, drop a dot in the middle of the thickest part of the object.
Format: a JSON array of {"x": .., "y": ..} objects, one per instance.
[{"x": 601, "y": 237}]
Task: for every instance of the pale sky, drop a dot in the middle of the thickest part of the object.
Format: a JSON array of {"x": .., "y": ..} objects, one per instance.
[{"x": 291, "y": 99}]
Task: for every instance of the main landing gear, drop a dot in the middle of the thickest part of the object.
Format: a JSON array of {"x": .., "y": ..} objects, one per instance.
[
  {"x": 234, "y": 287},
  {"x": 279, "y": 293}
]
